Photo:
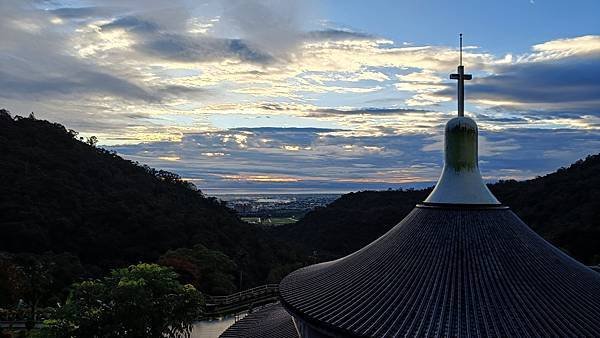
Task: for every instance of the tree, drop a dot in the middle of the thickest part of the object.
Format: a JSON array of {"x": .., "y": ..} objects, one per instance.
[
  {"x": 37, "y": 279},
  {"x": 144, "y": 300},
  {"x": 168, "y": 176},
  {"x": 209, "y": 270},
  {"x": 10, "y": 281},
  {"x": 92, "y": 141},
  {"x": 5, "y": 114}
]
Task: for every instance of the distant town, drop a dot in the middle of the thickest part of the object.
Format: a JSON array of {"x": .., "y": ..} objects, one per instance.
[{"x": 276, "y": 209}]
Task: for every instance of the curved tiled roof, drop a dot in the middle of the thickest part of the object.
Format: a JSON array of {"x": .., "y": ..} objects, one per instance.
[
  {"x": 271, "y": 321},
  {"x": 450, "y": 271}
]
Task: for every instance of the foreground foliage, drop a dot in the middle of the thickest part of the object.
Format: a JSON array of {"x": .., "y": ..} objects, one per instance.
[
  {"x": 30, "y": 280},
  {"x": 144, "y": 300}
]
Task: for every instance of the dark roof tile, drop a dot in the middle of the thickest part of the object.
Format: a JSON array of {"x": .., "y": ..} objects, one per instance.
[
  {"x": 450, "y": 272},
  {"x": 272, "y": 321}
]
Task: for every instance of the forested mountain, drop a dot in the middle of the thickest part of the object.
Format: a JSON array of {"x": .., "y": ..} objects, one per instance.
[
  {"x": 64, "y": 195},
  {"x": 563, "y": 207},
  {"x": 350, "y": 222},
  {"x": 61, "y": 194}
]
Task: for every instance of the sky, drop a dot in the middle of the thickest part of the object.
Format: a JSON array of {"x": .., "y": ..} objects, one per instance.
[{"x": 276, "y": 96}]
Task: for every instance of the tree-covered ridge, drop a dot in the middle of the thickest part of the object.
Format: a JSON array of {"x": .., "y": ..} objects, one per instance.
[
  {"x": 350, "y": 222},
  {"x": 62, "y": 194},
  {"x": 563, "y": 207}
]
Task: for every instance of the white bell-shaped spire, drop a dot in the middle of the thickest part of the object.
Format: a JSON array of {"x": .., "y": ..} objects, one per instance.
[{"x": 461, "y": 182}]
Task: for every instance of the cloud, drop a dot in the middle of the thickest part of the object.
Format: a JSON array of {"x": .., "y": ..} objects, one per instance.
[
  {"x": 173, "y": 80},
  {"x": 72, "y": 81},
  {"x": 132, "y": 23},
  {"x": 294, "y": 157},
  {"x": 425, "y": 84},
  {"x": 332, "y": 34},
  {"x": 319, "y": 159},
  {"x": 587, "y": 45},
  {"x": 570, "y": 84},
  {"x": 273, "y": 26},
  {"x": 559, "y": 76},
  {"x": 82, "y": 12},
  {"x": 332, "y": 112},
  {"x": 187, "y": 49},
  {"x": 34, "y": 62},
  {"x": 263, "y": 30},
  {"x": 172, "y": 16},
  {"x": 503, "y": 118}
]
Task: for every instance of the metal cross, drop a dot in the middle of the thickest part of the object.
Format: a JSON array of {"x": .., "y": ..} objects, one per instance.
[{"x": 461, "y": 77}]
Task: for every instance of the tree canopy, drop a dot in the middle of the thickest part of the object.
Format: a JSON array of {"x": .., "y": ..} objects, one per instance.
[
  {"x": 37, "y": 279},
  {"x": 206, "y": 269},
  {"x": 144, "y": 300}
]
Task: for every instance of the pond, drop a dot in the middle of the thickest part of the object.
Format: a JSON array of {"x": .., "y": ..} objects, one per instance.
[{"x": 213, "y": 328}]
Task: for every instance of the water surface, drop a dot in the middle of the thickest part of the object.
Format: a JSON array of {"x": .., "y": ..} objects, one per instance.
[{"x": 213, "y": 328}]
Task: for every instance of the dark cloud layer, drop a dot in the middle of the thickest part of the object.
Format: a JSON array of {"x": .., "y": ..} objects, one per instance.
[
  {"x": 132, "y": 23},
  {"x": 367, "y": 111},
  {"x": 82, "y": 12},
  {"x": 155, "y": 41},
  {"x": 73, "y": 81},
  {"x": 337, "y": 35},
  {"x": 571, "y": 84},
  {"x": 201, "y": 49},
  {"x": 503, "y": 119},
  {"x": 570, "y": 81},
  {"x": 320, "y": 159}
]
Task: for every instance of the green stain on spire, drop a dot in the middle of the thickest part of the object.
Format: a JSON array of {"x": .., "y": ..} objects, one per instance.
[{"x": 461, "y": 144}]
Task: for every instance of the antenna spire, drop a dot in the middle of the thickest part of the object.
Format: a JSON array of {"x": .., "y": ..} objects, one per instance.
[
  {"x": 460, "y": 49},
  {"x": 461, "y": 77}
]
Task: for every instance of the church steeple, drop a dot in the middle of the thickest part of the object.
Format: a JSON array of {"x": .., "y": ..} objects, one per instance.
[
  {"x": 458, "y": 265},
  {"x": 461, "y": 77},
  {"x": 461, "y": 182}
]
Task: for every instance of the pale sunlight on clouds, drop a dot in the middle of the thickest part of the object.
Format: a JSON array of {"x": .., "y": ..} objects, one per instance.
[{"x": 271, "y": 92}]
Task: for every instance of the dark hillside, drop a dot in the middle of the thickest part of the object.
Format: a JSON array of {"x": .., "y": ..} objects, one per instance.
[
  {"x": 60, "y": 194},
  {"x": 563, "y": 207},
  {"x": 350, "y": 222}
]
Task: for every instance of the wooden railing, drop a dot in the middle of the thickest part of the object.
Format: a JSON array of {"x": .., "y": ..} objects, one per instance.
[{"x": 241, "y": 301}]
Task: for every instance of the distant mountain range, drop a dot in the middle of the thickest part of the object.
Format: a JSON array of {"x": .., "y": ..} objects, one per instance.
[{"x": 563, "y": 207}]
